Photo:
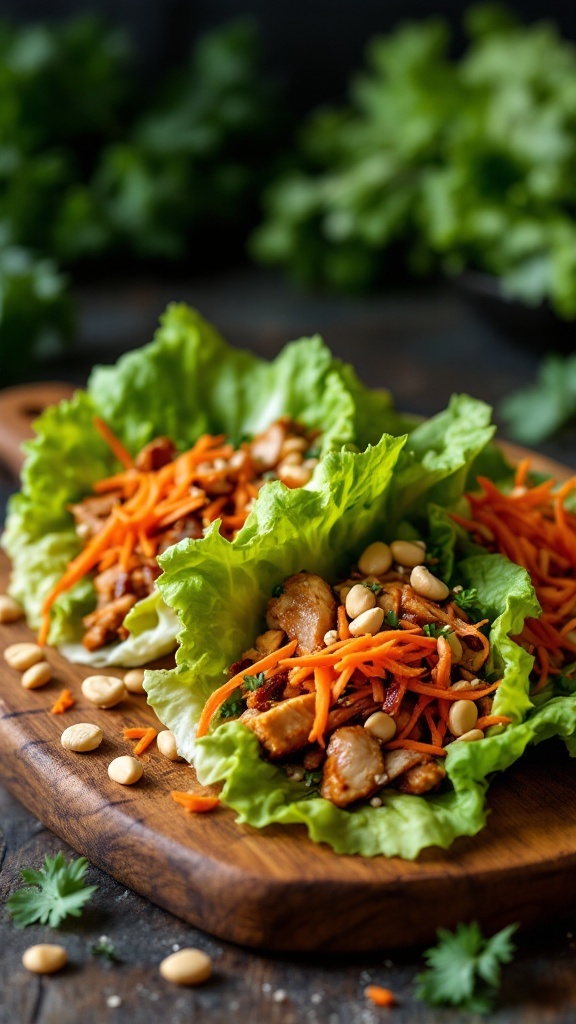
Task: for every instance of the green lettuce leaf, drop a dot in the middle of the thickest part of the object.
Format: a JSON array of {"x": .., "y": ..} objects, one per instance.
[
  {"x": 220, "y": 589},
  {"x": 438, "y": 456},
  {"x": 186, "y": 382},
  {"x": 262, "y": 794}
]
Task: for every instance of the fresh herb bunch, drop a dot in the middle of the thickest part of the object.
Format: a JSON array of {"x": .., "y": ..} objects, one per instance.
[
  {"x": 93, "y": 164},
  {"x": 464, "y": 968},
  {"x": 440, "y": 163},
  {"x": 51, "y": 894},
  {"x": 534, "y": 413}
]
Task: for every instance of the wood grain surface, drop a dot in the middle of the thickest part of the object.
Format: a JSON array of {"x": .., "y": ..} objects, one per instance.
[{"x": 275, "y": 889}]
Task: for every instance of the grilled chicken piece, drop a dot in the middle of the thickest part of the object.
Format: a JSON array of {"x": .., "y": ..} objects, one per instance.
[
  {"x": 269, "y": 641},
  {"x": 189, "y": 526},
  {"x": 305, "y": 611},
  {"x": 472, "y": 659},
  {"x": 286, "y": 726},
  {"x": 105, "y": 624},
  {"x": 343, "y": 712},
  {"x": 390, "y": 600},
  {"x": 354, "y": 766},
  {"x": 266, "y": 447},
  {"x": 91, "y": 514},
  {"x": 155, "y": 454},
  {"x": 422, "y": 777},
  {"x": 396, "y": 762},
  {"x": 419, "y": 609}
]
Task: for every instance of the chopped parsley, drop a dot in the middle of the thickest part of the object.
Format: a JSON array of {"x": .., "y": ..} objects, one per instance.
[
  {"x": 464, "y": 968},
  {"x": 233, "y": 707},
  {"x": 51, "y": 894},
  {"x": 104, "y": 948},
  {"x": 376, "y": 588},
  {"x": 278, "y": 590},
  {"x": 254, "y": 682},
  {"x": 466, "y": 599},
  {"x": 391, "y": 619},
  {"x": 312, "y": 779}
]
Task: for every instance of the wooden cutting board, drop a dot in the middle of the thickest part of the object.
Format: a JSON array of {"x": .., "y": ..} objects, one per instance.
[{"x": 274, "y": 889}]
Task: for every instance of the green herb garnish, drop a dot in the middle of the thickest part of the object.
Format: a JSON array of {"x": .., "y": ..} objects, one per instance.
[
  {"x": 391, "y": 619},
  {"x": 278, "y": 590},
  {"x": 233, "y": 707},
  {"x": 254, "y": 682},
  {"x": 434, "y": 630},
  {"x": 466, "y": 599},
  {"x": 376, "y": 588},
  {"x": 53, "y": 893},
  {"x": 464, "y": 968},
  {"x": 104, "y": 948}
]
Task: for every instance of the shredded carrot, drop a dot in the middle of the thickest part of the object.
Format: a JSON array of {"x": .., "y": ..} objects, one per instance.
[
  {"x": 145, "y": 736},
  {"x": 114, "y": 443},
  {"x": 195, "y": 802},
  {"x": 63, "y": 703},
  {"x": 422, "y": 748},
  {"x": 151, "y": 501},
  {"x": 217, "y": 698},
  {"x": 533, "y": 528},
  {"x": 487, "y": 720},
  {"x": 380, "y": 996},
  {"x": 343, "y": 629},
  {"x": 323, "y": 685}
]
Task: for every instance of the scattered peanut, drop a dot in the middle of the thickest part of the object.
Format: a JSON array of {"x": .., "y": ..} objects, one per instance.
[
  {"x": 367, "y": 622},
  {"x": 408, "y": 553},
  {"x": 462, "y": 717},
  {"x": 331, "y": 637},
  {"x": 134, "y": 680},
  {"x": 82, "y": 737},
  {"x": 467, "y": 684},
  {"x": 10, "y": 610},
  {"x": 23, "y": 656},
  {"x": 427, "y": 585},
  {"x": 381, "y": 725},
  {"x": 471, "y": 736},
  {"x": 294, "y": 476},
  {"x": 104, "y": 691},
  {"x": 37, "y": 675},
  {"x": 166, "y": 742},
  {"x": 293, "y": 444},
  {"x": 126, "y": 770},
  {"x": 186, "y": 967},
  {"x": 44, "y": 959},
  {"x": 376, "y": 558},
  {"x": 360, "y": 599}
]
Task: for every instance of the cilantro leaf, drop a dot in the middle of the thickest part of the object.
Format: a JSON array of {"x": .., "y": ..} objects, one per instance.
[
  {"x": 53, "y": 893},
  {"x": 233, "y": 707},
  {"x": 104, "y": 948},
  {"x": 254, "y": 682},
  {"x": 391, "y": 619},
  {"x": 376, "y": 588},
  {"x": 464, "y": 968},
  {"x": 466, "y": 599}
]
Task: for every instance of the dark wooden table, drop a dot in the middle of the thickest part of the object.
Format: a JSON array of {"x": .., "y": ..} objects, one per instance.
[{"x": 423, "y": 345}]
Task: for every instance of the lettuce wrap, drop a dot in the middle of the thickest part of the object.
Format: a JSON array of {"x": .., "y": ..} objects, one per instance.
[
  {"x": 221, "y": 590},
  {"x": 187, "y": 382}
]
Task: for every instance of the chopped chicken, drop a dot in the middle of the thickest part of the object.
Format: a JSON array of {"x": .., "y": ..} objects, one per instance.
[
  {"x": 263, "y": 697},
  {"x": 269, "y": 642},
  {"x": 305, "y": 611},
  {"x": 155, "y": 455},
  {"x": 286, "y": 726},
  {"x": 266, "y": 447},
  {"x": 396, "y": 762},
  {"x": 422, "y": 777},
  {"x": 354, "y": 766},
  {"x": 105, "y": 624},
  {"x": 91, "y": 514}
]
